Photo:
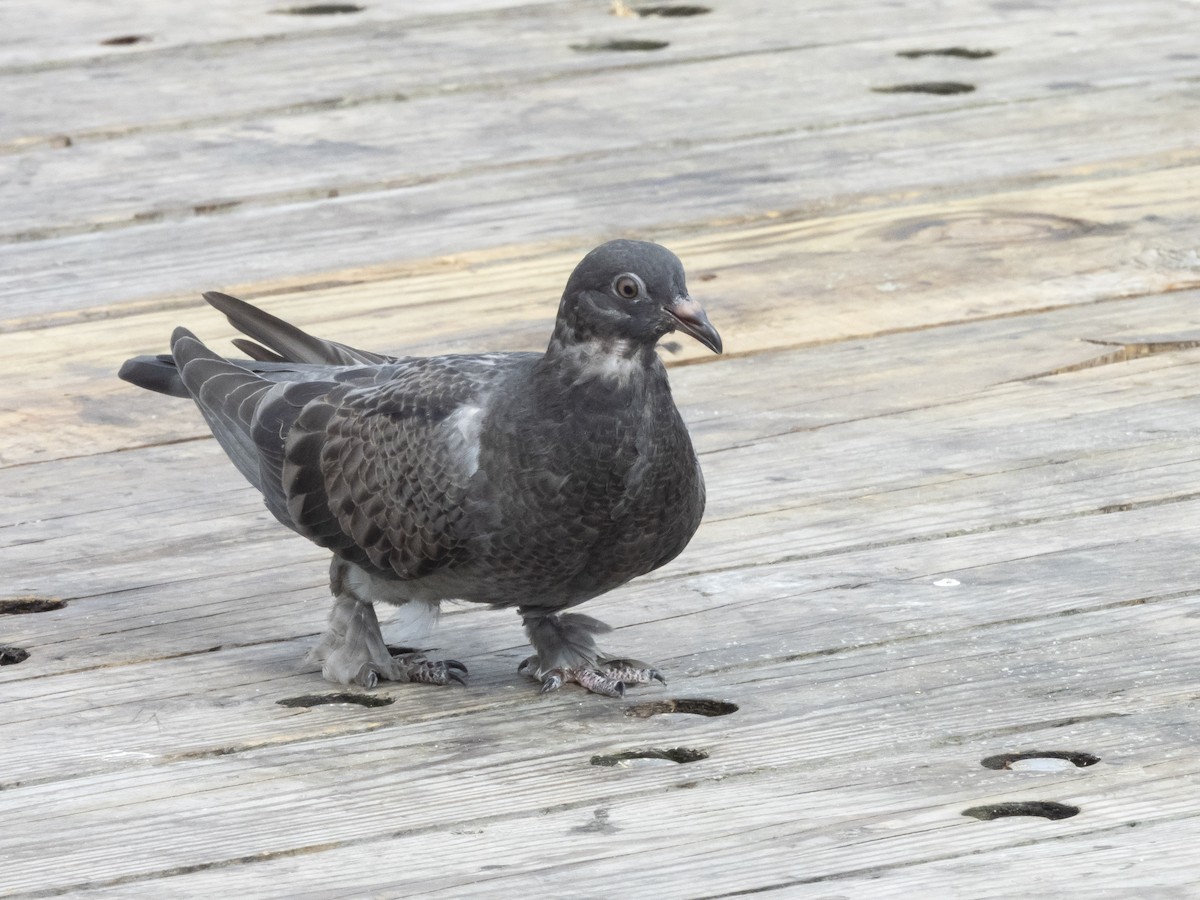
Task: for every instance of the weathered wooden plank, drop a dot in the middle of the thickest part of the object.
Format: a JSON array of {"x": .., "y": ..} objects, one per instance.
[
  {"x": 415, "y": 52},
  {"x": 917, "y": 462},
  {"x": 923, "y": 548},
  {"x": 75, "y": 35},
  {"x": 810, "y": 746},
  {"x": 721, "y": 626},
  {"x": 913, "y": 276},
  {"x": 872, "y": 501},
  {"x": 301, "y": 157},
  {"x": 577, "y": 200}
]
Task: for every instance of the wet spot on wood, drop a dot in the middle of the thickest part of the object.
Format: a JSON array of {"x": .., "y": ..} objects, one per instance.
[
  {"x": 671, "y": 11},
  {"x": 695, "y": 707},
  {"x": 1067, "y": 758},
  {"x": 309, "y": 700},
  {"x": 619, "y": 46},
  {"x": 927, "y": 87},
  {"x": 957, "y": 52},
  {"x": 320, "y": 9},
  {"x": 125, "y": 40},
  {"x": 1038, "y": 808},
  {"x": 672, "y": 755}
]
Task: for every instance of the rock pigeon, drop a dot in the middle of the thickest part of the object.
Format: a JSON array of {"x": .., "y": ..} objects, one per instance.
[{"x": 527, "y": 480}]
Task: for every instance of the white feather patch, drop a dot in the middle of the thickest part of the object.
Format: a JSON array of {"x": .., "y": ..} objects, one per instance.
[{"x": 462, "y": 437}]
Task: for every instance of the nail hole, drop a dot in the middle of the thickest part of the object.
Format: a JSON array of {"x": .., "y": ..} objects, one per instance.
[
  {"x": 652, "y": 756},
  {"x": 1040, "y": 760},
  {"x": 10, "y": 656},
  {"x": 125, "y": 40},
  {"x": 958, "y": 52},
  {"x": 17, "y": 606},
  {"x": 689, "y": 707},
  {"x": 619, "y": 46},
  {"x": 927, "y": 87},
  {"x": 671, "y": 11},
  {"x": 325, "y": 699},
  {"x": 320, "y": 9},
  {"x": 1032, "y": 808}
]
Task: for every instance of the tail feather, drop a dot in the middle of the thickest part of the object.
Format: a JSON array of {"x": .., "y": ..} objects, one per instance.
[
  {"x": 286, "y": 340},
  {"x": 257, "y": 352},
  {"x": 154, "y": 373},
  {"x": 227, "y": 396}
]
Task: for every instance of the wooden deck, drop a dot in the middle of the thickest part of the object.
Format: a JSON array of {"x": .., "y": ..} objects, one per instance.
[{"x": 953, "y": 450}]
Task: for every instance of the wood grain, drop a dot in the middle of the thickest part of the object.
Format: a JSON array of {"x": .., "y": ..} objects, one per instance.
[{"x": 950, "y": 451}]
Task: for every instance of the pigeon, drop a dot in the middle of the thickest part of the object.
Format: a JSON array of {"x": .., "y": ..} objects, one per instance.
[{"x": 529, "y": 480}]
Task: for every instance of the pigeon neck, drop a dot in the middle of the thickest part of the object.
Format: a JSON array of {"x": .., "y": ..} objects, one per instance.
[{"x": 581, "y": 357}]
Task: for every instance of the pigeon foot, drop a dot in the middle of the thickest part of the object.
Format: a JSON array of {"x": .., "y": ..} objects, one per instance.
[
  {"x": 608, "y": 677},
  {"x": 417, "y": 667},
  {"x": 353, "y": 651}
]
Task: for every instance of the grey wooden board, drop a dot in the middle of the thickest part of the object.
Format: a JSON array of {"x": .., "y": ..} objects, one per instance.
[
  {"x": 168, "y": 203},
  {"x": 410, "y": 51},
  {"x": 858, "y": 624},
  {"x": 951, "y": 452},
  {"x": 75, "y": 33}
]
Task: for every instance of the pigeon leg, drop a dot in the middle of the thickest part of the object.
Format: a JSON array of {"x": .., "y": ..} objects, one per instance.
[
  {"x": 567, "y": 652},
  {"x": 353, "y": 651}
]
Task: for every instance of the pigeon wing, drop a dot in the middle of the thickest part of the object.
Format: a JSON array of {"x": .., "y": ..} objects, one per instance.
[
  {"x": 375, "y": 468},
  {"x": 380, "y": 473}
]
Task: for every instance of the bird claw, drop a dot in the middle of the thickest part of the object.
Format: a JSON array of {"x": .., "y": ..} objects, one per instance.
[
  {"x": 431, "y": 671},
  {"x": 632, "y": 671},
  {"x": 411, "y": 667},
  {"x": 607, "y": 678}
]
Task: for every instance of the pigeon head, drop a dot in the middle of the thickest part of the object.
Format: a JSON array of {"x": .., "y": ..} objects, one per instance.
[{"x": 625, "y": 295}]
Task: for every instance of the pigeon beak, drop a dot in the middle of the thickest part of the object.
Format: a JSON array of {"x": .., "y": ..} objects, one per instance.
[{"x": 690, "y": 319}]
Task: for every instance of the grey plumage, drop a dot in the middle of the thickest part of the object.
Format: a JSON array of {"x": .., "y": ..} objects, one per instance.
[{"x": 531, "y": 480}]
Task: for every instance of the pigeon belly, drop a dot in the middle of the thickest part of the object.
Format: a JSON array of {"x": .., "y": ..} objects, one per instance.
[{"x": 565, "y": 509}]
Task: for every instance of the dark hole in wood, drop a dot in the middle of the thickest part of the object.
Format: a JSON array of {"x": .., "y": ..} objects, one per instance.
[
  {"x": 18, "y": 606},
  {"x": 927, "y": 87},
  {"x": 682, "y": 705},
  {"x": 958, "y": 52},
  {"x": 326, "y": 699},
  {"x": 125, "y": 40},
  {"x": 671, "y": 11},
  {"x": 674, "y": 754},
  {"x": 620, "y": 46},
  {"x": 10, "y": 656},
  {"x": 1005, "y": 760},
  {"x": 1044, "y": 809},
  {"x": 321, "y": 9}
]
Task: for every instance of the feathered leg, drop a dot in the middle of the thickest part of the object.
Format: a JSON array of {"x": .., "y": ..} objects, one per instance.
[
  {"x": 352, "y": 650},
  {"x": 566, "y": 651}
]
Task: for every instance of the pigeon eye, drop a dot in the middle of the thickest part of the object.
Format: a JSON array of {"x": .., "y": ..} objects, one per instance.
[{"x": 627, "y": 286}]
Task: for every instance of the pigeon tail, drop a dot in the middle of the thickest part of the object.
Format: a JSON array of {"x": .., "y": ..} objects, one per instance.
[
  {"x": 227, "y": 396},
  {"x": 154, "y": 373},
  {"x": 283, "y": 341}
]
